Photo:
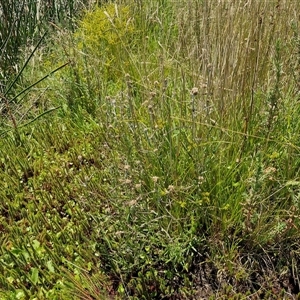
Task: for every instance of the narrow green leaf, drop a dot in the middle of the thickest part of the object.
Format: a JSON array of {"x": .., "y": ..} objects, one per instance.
[{"x": 292, "y": 183}]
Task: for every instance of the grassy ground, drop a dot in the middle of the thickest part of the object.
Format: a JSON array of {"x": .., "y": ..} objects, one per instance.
[{"x": 162, "y": 162}]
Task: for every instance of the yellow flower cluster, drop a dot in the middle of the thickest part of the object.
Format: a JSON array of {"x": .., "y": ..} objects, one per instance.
[{"x": 105, "y": 26}]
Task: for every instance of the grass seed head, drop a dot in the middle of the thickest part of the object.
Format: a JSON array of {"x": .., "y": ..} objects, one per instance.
[{"x": 194, "y": 91}]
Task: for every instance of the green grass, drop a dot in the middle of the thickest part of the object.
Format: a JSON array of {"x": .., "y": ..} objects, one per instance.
[
  {"x": 162, "y": 162},
  {"x": 24, "y": 22}
]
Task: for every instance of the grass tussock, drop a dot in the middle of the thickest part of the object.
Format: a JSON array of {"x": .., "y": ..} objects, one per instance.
[{"x": 169, "y": 168}]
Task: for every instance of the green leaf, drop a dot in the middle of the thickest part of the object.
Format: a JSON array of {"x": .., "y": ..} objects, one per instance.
[
  {"x": 292, "y": 183},
  {"x": 34, "y": 275},
  {"x": 50, "y": 266},
  {"x": 36, "y": 244},
  {"x": 20, "y": 294}
]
